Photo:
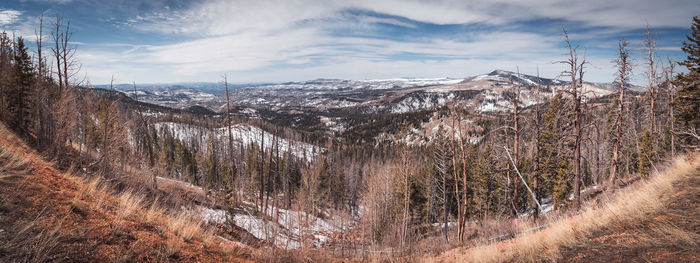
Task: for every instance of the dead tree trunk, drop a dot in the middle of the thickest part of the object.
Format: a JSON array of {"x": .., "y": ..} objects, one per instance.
[
  {"x": 458, "y": 198},
  {"x": 66, "y": 54},
  {"x": 651, "y": 48},
  {"x": 671, "y": 91},
  {"x": 575, "y": 68},
  {"x": 516, "y": 140},
  {"x": 536, "y": 174},
  {"x": 149, "y": 141},
  {"x": 623, "y": 72},
  {"x": 230, "y": 139},
  {"x": 58, "y": 40}
]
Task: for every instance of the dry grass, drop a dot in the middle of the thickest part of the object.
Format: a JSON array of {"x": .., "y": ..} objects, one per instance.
[
  {"x": 130, "y": 205},
  {"x": 134, "y": 207},
  {"x": 666, "y": 233},
  {"x": 172, "y": 247},
  {"x": 11, "y": 165},
  {"x": 186, "y": 228},
  {"x": 624, "y": 208},
  {"x": 33, "y": 241}
]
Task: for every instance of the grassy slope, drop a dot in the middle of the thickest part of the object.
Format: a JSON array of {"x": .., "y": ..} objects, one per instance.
[
  {"x": 47, "y": 215},
  {"x": 655, "y": 219}
]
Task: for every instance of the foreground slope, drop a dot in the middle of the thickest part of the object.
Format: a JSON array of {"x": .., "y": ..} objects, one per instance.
[
  {"x": 654, "y": 220},
  {"x": 50, "y": 216}
]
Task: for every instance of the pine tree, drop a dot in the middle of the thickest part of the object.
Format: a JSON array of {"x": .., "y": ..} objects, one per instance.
[
  {"x": 5, "y": 74},
  {"x": 21, "y": 92},
  {"x": 687, "y": 102},
  {"x": 211, "y": 164},
  {"x": 553, "y": 166},
  {"x": 646, "y": 153},
  {"x": 561, "y": 186},
  {"x": 484, "y": 185}
]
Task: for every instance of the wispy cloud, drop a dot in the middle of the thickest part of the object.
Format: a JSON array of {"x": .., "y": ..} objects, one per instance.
[
  {"x": 9, "y": 16},
  {"x": 179, "y": 40}
]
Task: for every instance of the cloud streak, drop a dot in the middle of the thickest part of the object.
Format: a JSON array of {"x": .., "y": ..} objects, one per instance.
[{"x": 282, "y": 40}]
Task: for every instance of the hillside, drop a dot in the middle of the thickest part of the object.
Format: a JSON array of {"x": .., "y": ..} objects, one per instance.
[
  {"x": 653, "y": 220},
  {"x": 51, "y": 216}
]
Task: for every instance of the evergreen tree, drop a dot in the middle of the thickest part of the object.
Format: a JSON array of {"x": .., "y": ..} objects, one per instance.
[
  {"x": 646, "y": 153},
  {"x": 484, "y": 185},
  {"x": 211, "y": 164},
  {"x": 561, "y": 186},
  {"x": 21, "y": 91},
  {"x": 687, "y": 102},
  {"x": 553, "y": 166}
]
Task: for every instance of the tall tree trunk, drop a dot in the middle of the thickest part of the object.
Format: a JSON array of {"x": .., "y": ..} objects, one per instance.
[
  {"x": 66, "y": 52},
  {"x": 230, "y": 141},
  {"x": 623, "y": 72},
  {"x": 516, "y": 140},
  {"x": 671, "y": 120},
  {"x": 444, "y": 206},
  {"x": 58, "y": 40},
  {"x": 577, "y": 152},
  {"x": 651, "y": 46},
  {"x": 149, "y": 142},
  {"x": 454, "y": 166},
  {"x": 262, "y": 167},
  {"x": 536, "y": 174},
  {"x": 575, "y": 68}
]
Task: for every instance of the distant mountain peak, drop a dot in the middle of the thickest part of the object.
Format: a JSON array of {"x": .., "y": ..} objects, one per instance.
[{"x": 500, "y": 72}]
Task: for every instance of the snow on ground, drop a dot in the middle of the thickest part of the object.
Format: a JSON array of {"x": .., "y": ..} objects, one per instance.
[
  {"x": 373, "y": 84},
  {"x": 243, "y": 133},
  {"x": 286, "y": 228},
  {"x": 332, "y": 123}
]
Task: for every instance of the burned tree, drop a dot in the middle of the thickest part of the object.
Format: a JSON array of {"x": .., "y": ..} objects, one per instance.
[
  {"x": 623, "y": 73},
  {"x": 575, "y": 68}
]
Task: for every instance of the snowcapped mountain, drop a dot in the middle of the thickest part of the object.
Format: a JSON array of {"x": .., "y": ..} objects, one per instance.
[
  {"x": 502, "y": 77},
  {"x": 348, "y": 85},
  {"x": 348, "y": 106}
]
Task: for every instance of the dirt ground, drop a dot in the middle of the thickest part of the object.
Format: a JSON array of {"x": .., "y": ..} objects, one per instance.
[{"x": 665, "y": 237}]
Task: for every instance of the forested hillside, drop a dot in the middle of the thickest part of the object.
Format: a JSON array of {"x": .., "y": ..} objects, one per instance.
[{"x": 395, "y": 184}]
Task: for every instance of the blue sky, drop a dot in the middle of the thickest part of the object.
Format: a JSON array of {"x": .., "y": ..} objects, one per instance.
[{"x": 164, "y": 41}]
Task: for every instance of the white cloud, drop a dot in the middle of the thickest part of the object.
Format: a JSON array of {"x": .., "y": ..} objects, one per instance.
[
  {"x": 283, "y": 40},
  {"x": 221, "y": 17},
  {"x": 9, "y": 16}
]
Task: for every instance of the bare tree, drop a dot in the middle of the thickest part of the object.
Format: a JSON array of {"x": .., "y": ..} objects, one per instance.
[
  {"x": 457, "y": 121},
  {"x": 230, "y": 137},
  {"x": 58, "y": 36},
  {"x": 536, "y": 174},
  {"x": 39, "y": 41},
  {"x": 516, "y": 139},
  {"x": 404, "y": 173},
  {"x": 441, "y": 161},
  {"x": 575, "y": 68},
  {"x": 671, "y": 92},
  {"x": 623, "y": 72},
  {"x": 650, "y": 44},
  {"x": 149, "y": 141}
]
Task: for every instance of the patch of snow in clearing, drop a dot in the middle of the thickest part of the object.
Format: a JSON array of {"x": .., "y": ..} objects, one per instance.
[
  {"x": 245, "y": 134},
  {"x": 285, "y": 232}
]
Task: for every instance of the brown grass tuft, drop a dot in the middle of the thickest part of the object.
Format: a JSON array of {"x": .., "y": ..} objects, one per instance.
[{"x": 34, "y": 241}]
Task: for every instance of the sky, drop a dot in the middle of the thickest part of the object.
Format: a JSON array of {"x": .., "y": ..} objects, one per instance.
[{"x": 254, "y": 41}]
